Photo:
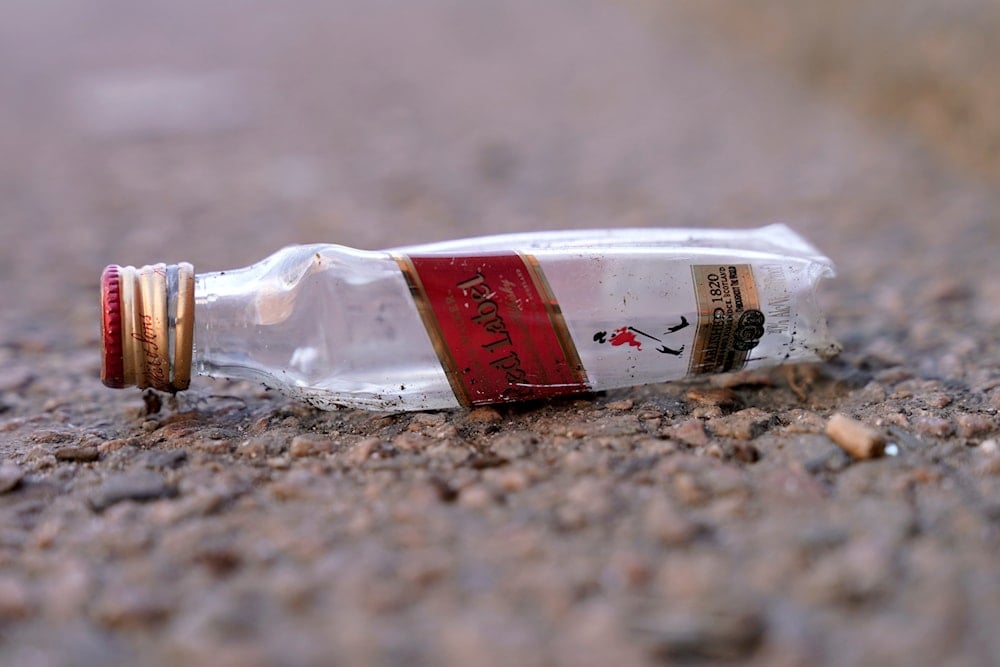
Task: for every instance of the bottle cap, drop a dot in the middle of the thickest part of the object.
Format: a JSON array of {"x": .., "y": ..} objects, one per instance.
[
  {"x": 147, "y": 326},
  {"x": 112, "y": 370}
]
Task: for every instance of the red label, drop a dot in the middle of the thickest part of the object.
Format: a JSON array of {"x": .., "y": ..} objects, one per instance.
[{"x": 496, "y": 327}]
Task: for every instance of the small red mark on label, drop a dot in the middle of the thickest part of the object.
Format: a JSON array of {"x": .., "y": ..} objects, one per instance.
[{"x": 624, "y": 336}]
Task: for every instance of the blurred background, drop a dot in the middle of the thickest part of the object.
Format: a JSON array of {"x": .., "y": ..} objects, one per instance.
[{"x": 217, "y": 132}]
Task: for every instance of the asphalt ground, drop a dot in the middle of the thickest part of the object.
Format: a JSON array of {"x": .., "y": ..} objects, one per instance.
[{"x": 684, "y": 523}]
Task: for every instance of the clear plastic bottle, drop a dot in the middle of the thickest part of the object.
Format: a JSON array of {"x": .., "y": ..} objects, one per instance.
[{"x": 475, "y": 321}]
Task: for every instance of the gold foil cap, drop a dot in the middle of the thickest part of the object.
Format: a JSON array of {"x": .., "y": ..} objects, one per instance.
[{"x": 147, "y": 326}]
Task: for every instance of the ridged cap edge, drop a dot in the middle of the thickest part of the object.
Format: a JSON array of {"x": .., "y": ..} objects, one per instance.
[{"x": 112, "y": 348}]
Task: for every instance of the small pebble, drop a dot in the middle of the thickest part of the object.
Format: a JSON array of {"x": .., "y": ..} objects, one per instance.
[
  {"x": 937, "y": 400},
  {"x": 872, "y": 393},
  {"x": 632, "y": 569},
  {"x": 53, "y": 404},
  {"x": 803, "y": 421},
  {"x": 279, "y": 462},
  {"x": 595, "y": 499},
  {"x": 514, "y": 444},
  {"x": 792, "y": 483},
  {"x": 485, "y": 415},
  {"x": 857, "y": 439},
  {"x": 621, "y": 406},
  {"x": 751, "y": 378},
  {"x": 668, "y": 526},
  {"x": 131, "y": 607},
  {"x": 10, "y": 425},
  {"x": 178, "y": 429},
  {"x": 990, "y": 466},
  {"x": 743, "y": 425},
  {"x": 799, "y": 378},
  {"x": 77, "y": 453},
  {"x": 10, "y": 476},
  {"x": 690, "y": 432},
  {"x": 428, "y": 419},
  {"x": 15, "y": 378},
  {"x": 706, "y": 412},
  {"x": 40, "y": 458},
  {"x": 689, "y": 490},
  {"x": 894, "y": 375},
  {"x": 688, "y": 634},
  {"x": 512, "y": 480},
  {"x": 274, "y": 443},
  {"x": 48, "y": 435},
  {"x": 476, "y": 496},
  {"x": 142, "y": 486},
  {"x": 934, "y": 426},
  {"x": 578, "y": 462},
  {"x": 859, "y": 571},
  {"x": 886, "y": 353},
  {"x": 113, "y": 445},
  {"x": 15, "y": 599},
  {"x": 971, "y": 425},
  {"x": 212, "y": 445},
  {"x": 449, "y": 453},
  {"x": 254, "y": 448},
  {"x": 362, "y": 450},
  {"x": 445, "y": 432},
  {"x": 713, "y": 396},
  {"x": 745, "y": 452},
  {"x": 655, "y": 447},
  {"x": 411, "y": 442},
  {"x": 307, "y": 445},
  {"x": 164, "y": 458}
]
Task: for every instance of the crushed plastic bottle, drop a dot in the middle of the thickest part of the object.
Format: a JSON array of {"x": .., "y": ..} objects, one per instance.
[{"x": 476, "y": 321}]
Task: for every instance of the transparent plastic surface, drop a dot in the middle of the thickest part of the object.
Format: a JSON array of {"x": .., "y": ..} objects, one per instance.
[
  {"x": 336, "y": 326},
  {"x": 324, "y": 323}
]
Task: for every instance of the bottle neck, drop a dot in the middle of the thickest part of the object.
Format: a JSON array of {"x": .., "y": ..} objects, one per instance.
[
  {"x": 235, "y": 332},
  {"x": 222, "y": 300}
]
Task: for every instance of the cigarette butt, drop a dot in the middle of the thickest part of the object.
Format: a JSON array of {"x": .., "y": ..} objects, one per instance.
[{"x": 857, "y": 439}]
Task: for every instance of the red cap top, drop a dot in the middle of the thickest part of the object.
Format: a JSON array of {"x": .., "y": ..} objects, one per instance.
[{"x": 112, "y": 350}]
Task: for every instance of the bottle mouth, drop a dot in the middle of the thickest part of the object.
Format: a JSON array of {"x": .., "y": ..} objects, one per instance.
[{"x": 147, "y": 326}]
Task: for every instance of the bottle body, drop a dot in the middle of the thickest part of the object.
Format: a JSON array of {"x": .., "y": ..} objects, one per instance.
[{"x": 510, "y": 317}]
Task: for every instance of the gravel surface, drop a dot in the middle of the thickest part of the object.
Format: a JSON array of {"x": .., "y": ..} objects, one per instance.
[{"x": 687, "y": 523}]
